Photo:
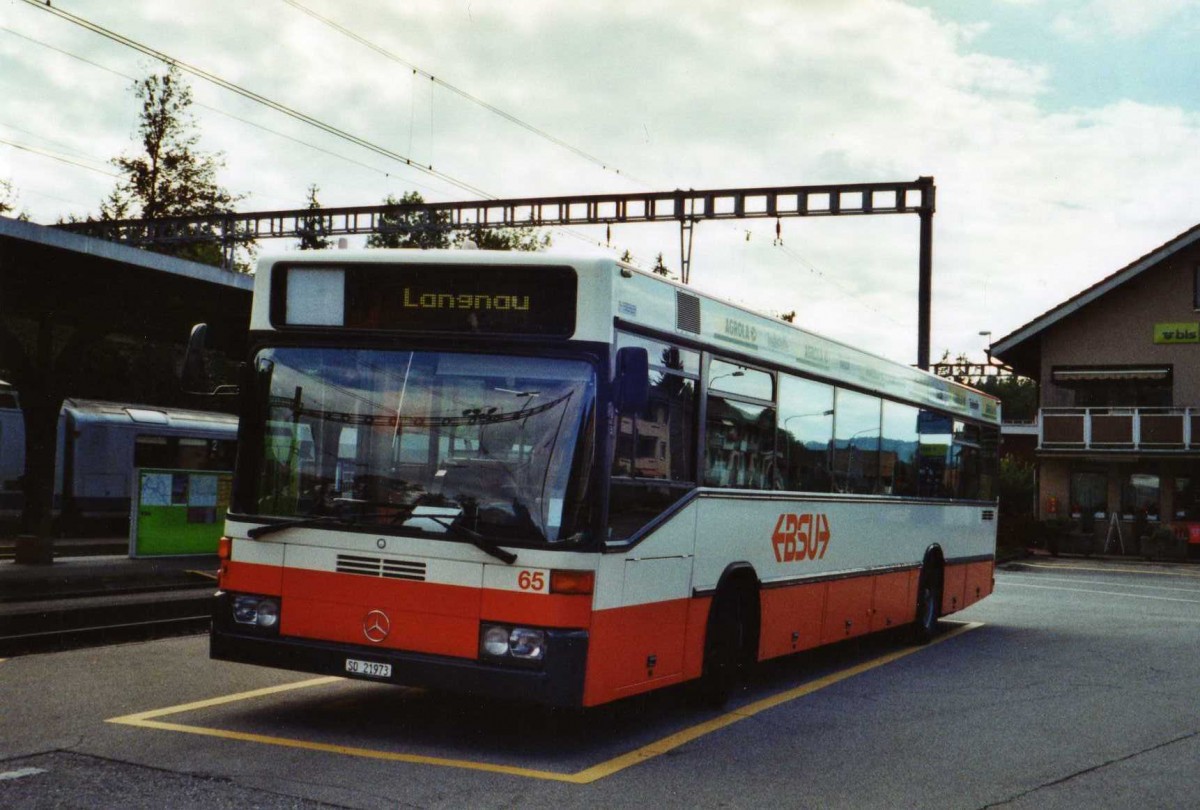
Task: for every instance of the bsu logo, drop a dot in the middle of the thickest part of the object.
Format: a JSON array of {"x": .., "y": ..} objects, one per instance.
[{"x": 800, "y": 537}]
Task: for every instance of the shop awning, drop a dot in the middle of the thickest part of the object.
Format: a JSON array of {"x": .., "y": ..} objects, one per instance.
[{"x": 1099, "y": 374}]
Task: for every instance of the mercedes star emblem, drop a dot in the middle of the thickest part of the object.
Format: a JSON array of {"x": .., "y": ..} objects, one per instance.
[{"x": 376, "y": 626}]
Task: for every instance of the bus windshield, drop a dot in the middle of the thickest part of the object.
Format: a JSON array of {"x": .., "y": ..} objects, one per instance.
[{"x": 437, "y": 443}]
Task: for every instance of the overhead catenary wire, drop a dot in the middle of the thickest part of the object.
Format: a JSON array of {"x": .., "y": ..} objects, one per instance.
[
  {"x": 575, "y": 234},
  {"x": 213, "y": 109},
  {"x": 36, "y": 193},
  {"x": 51, "y": 143},
  {"x": 803, "y": 262},
  {"x": 251, "y": 95},
  {"x": 257, "y": 98},
  {"x": 507, "y": 116},
  {"x": 52, "y": 156}
]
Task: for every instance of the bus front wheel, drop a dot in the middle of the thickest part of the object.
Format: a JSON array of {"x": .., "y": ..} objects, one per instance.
[{"x": 729, "y": 644}]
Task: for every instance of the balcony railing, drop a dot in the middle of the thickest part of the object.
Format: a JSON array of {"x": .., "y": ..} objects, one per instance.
[{"x": 1158, "y": 429}]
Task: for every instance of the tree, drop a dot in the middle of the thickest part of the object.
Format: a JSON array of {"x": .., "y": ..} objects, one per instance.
[
  {"x": 527, "y": 239},
  {"x": 8, "y": 201},
  {"x": 312, "y": 229},
  {"x": 788, "y": 317},
  {"x": 411, "y": 229},
  {"x": 171, "y": 177},
  {"x": 1018, "y": 396},
  {"x": 660, "y": 267}
]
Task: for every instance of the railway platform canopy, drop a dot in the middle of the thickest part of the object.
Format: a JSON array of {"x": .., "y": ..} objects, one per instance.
[
  {"x": 74, "y": 308},
  {"x": 73, "y": 280}
]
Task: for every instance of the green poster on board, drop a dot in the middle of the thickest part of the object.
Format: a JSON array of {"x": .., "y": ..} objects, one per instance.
[{"x": 178, "y": 512}]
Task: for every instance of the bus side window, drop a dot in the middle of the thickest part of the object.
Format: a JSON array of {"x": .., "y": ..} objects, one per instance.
[
  {"x": 898, "y": 455},
  {"x": 740, "y": 428},
  {"x": 857, "y": 423},
  {"x": 654, "y": 456},
  {"x": 805, "y": 431},
  {"x": 657, "y": 442},
  {"x": 935, "y": 476}
]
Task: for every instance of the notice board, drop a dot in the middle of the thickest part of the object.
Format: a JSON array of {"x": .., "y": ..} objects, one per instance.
[{"x": 175, "y": 512}]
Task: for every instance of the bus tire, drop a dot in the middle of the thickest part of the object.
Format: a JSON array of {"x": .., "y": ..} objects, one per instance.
[
  {"x": 929, "y": 598},
  {"x": 729, "y": 643}
]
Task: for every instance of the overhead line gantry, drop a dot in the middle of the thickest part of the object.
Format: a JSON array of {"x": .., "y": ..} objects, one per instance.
[{"x": 685, "y": 207}]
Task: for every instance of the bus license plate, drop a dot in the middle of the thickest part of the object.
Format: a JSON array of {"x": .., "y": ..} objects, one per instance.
[{"x": 369, "y": 669}]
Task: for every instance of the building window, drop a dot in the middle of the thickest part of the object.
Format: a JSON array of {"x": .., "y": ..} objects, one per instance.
[
  {"x": 1089, "y": 494},
  {"x": 1139, "y": 496},
  {"x": 1187, "y": 498}
]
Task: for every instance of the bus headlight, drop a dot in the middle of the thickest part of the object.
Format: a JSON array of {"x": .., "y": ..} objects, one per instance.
[
  {"x": 258, "y": 611},
  {"x": 524, "y": 644},
  {"x": 527, "y": 644},
  {"x": 495, "y": 641},
  {"x": 268, "y": 613}
]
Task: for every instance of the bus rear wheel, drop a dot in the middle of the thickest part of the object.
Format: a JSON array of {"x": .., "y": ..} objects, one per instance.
[{"x": 929, "y": 595}]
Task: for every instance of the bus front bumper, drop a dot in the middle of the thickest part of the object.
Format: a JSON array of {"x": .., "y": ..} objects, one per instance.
[{"x": 558, "y": 683}]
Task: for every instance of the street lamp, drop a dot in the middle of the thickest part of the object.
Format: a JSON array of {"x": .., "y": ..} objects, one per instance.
[
  {"x": 987, "y": 349},
  {"x": 828, "y": 412},
  {"x": 738, "y": 373},
  {"x": 853, "y": 436},
  {"x": 852, "y": 453},
  {"x": 788, "y": 458}
]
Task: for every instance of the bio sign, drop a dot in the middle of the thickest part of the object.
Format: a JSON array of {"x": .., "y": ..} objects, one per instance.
[{"x": 1169, "y": 333}]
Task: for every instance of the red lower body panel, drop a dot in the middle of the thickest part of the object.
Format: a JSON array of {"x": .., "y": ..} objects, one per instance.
[
  {"x": 791, "y": 619},
  {"x": 978, "y": 584},
  {"x": 635, "y": 649},
  {"x": 422, "y": 616},
  {"x": 266, "y": 580},
  {"x": 629, "y": 649}
]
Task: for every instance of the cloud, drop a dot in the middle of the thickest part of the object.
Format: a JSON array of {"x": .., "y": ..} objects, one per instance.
[
  {"x": 1033, "y": 204},
  {"x": 1095, "y": 19}
]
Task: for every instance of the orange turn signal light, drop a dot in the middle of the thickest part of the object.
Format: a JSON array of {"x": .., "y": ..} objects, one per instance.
[
  {"x": 572, "y": 582},
  {"x": 224, "y": 548}
]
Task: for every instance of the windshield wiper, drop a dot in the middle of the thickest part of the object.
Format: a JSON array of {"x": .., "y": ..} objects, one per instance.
[
  {"x": 454, "y": 527},
  {"x": 341, "y": 516},
  {"x": 298, "y": 523}
]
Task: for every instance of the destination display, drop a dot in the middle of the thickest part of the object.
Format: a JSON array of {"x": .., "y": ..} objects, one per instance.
[{"x": 473, "y": 299}]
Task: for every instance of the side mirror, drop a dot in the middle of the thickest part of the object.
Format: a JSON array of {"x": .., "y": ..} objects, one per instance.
[
  {"x": 631, "y": 385},
  {"x": 194, "y": 378}
]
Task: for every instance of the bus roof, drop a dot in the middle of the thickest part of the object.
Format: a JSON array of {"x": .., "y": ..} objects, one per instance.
[{"x": 611, "y": 291}]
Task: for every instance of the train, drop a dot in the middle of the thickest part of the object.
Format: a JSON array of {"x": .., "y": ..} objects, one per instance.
[{"x": 100, "y": 444}]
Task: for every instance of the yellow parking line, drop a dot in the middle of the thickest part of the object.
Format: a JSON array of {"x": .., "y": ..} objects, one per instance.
[
  {"x": 586, "y": 776},
  {"x": 673, "y": 741},
  {"x": 134, "y": 719}
]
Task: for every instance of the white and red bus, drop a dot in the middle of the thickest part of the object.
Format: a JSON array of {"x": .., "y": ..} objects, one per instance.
[{"x": 568, "y": 481}]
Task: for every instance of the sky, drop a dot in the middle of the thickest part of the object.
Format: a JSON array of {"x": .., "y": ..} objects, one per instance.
[{"x": 1061, "y": 134}]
